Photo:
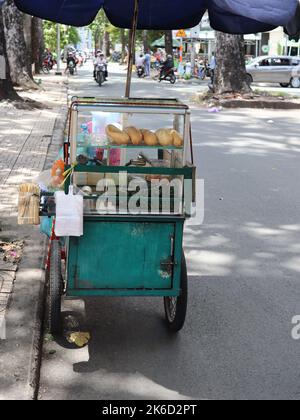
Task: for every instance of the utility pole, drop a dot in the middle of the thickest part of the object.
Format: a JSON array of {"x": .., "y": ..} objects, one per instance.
[
  {"x": 58, "y": 52},
  {"x": 193, "y": 56}
]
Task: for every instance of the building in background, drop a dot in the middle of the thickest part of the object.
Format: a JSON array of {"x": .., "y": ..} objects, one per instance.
[
  {"x": 277, "y": 43},
  {"x": 201, "y": 40}
]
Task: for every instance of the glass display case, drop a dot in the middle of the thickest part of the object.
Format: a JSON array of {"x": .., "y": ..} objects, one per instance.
[{"x": 130, "y": 155}]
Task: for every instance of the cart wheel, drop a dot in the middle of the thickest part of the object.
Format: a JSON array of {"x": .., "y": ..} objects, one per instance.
[
  {"x": 176, "y": 307},
  {"x": 55, "y": 288}
]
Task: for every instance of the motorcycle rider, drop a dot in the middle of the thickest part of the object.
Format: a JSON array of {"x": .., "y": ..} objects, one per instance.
[
  {"x": 167, "y": 66},
  {"x": 48, "y": 58},
  {"x": 140, "y": 62},
  {"x": 71, "y": 58},
  {"x": 100, "y": 59}
]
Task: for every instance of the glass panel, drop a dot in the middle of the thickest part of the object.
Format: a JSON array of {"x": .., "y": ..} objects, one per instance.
[{"x": 124, "y": 193}]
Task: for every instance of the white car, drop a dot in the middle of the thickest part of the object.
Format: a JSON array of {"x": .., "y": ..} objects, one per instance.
[{"x": 284, "y": 70}]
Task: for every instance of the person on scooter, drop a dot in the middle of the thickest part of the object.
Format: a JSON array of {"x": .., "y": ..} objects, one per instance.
[
  {"x": 97, "y": 54},
  {"x": 140, "y": 63},
  {"x": 71, "y": 58},
  {"x": 167, "y": 66},
  {"x": 100, "y": 60},
  {"x": 48, "y": 58}
]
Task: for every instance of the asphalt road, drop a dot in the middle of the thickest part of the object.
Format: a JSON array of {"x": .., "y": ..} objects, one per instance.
[{"x": 244, "y": 268}]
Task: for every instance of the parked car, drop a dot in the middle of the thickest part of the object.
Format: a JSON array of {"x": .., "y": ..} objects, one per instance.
[{"x": 284, "y": 70}]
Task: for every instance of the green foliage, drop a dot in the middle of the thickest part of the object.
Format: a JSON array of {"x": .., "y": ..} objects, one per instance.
[
  {"x": 101, "y": 25},
  {"x": 68, "y": 35}
]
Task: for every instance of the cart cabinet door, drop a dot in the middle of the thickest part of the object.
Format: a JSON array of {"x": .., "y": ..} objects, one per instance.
[{"x": 118, "y": 255}]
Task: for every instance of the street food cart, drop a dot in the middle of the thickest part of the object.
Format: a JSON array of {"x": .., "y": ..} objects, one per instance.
[{"x": 124, "y": 250}]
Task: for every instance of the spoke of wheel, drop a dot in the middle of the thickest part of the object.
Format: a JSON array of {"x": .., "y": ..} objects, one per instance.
[{"x": 172, "y": 307}]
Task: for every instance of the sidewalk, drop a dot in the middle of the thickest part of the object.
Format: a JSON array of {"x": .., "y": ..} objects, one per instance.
[{"x": 27, "y": 137}]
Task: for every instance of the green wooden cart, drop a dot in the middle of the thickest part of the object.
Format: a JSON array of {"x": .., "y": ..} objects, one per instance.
[{"x": 124, "y": 252}]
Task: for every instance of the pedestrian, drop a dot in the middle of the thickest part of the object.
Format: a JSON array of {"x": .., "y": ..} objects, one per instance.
[
  {"x": 147, "y": 63},
  {"x": 212, "y": 66}
]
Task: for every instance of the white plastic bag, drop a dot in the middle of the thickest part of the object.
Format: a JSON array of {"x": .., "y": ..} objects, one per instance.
[{"x": 69, "y": 214}]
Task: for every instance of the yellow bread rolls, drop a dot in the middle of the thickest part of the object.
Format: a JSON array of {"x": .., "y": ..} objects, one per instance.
[
  {"x": 150, "y": 138},
  {"x": 165, "y": 137},
  {"x": 135, "y": 135},
  {"x": 177, "y": 138},
  {"x": 116, "y": 135}
]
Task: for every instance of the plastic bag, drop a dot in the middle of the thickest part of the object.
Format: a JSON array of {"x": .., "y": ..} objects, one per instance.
[{"x": 69, "y": 214}]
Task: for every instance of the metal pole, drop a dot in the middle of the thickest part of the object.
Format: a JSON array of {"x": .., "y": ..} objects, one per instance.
[
  {"x": 181, "y": 50},
  {"x": 193, "y": 57},
  {"x": 131, "y": 48},
  {"x": 58, "y": 70}
]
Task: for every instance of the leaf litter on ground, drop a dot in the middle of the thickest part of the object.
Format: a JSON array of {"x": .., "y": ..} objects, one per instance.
[
  {"x": 80, "y": 339},
  {"x": 11, "y": 252}
]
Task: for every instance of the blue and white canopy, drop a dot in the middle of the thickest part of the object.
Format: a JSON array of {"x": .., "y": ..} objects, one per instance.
[{"x": 231, "y": 16}]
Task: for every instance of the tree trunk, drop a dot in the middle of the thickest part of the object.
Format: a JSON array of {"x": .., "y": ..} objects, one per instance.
[
  {"x": 123, "y": 42},
  {"x": 106, "y": 44},
  {"x": 38, "y": 44},
  {"x": 230, "y": 74},
  {"x": 20, "y": 69},
  {"x": 97, "y": 39},
  {"x": 145, "y": 40},
  {"x": 6, "y": 87},
  {"x": 129, "y": 46},
  {"x": 27, "y": 19},
  {"x": 169, "y": 42}
]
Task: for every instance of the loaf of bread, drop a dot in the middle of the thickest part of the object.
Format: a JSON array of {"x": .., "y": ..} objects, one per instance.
[
  {"x": 117, "y": 136},
  {"x": 150, "y": 138},
  {"x": 165, "y": 137},
  {"x": 135, "y": 135},
  {"x": 177, "y": 138}
]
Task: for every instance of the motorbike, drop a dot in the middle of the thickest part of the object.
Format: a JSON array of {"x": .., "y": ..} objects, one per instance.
[
  {"x": 204, "y": 72},
  {"x": 140, "y": 71},
  {"x": 71, "y": 68},
  {"x": 116, "y": 57},
  {"x": 100, "y": 74},
  {"x": 168, "y": 75},
  {"x": 47, "y": 65},
  {"x": 208, "y": 71},
  {"x": 156, "y": 65}
]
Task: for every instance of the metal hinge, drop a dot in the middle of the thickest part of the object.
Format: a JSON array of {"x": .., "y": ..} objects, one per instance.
[{"x": 167, "y": 266}]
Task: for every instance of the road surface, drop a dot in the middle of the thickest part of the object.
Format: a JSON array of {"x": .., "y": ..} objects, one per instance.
[{"x": 244, "y": 267}]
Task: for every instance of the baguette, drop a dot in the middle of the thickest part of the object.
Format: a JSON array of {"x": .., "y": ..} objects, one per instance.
[
  {"x": 117, "y": 136},
  {"x": 177, "y": 139},
  {"x": 135, "y": 135},
  {"x": 165, "y": 137},
  {"x": 150, "y": 138}
]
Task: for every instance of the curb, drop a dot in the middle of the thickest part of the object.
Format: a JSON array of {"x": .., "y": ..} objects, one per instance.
[
  {"x": 280, "y": 105},
  {"x": 287, "y": 104},
  {"x": 37, "y": 344}
]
